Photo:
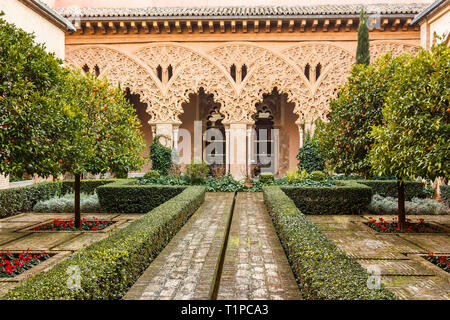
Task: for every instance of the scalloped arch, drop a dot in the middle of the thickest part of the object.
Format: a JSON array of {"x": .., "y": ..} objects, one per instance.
[{"x": 118, "y": 67}]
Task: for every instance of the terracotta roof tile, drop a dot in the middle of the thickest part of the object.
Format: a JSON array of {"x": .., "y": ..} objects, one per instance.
[{"x": 240, "y": 11}]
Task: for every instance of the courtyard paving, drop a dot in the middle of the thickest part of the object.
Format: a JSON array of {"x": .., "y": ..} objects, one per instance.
[
  {"x": 187, "y": 266},
  {"x": 399, "y": 257}
]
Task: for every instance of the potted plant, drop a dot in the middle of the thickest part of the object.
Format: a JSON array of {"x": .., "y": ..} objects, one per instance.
[{"x": 248, "y": 181}]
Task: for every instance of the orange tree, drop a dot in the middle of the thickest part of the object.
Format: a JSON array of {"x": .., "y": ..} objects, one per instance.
[
  {"x": 344, "y": 140},
  {"x": 31, "y": 94},
  {"x": 413, "y": 138},
  {"x": 103, "y": 131}
]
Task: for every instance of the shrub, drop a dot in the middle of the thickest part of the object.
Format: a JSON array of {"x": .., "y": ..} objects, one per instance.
[
  {"x": 445, "y": 194},
  {"x": 197, "y": 172},
  {"x": 161, "y": 156},
  {"x": 22, "y": 199},
  {"x": 318, "y": 176},
  {"x": 224, "y": 184},
  {"x": 344, "y": 198},
  {"x": 152, "y": 175},
  {"x": 324, "y": 271},
  {"x": 125, "y": 196},
  {"x": 388, "y": 188},
  {"x": 109, "y": 267},
  {"x": 89, "y": 204},
  {"x": 310, "y": 158},
  {"x": 87, "y": 186},
  {"x": 266, "y": 178},
  {"x": 417, "y": 206}
]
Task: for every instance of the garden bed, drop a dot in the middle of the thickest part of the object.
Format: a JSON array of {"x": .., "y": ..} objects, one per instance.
[
  {"x": 383, "y": 226},
  {"x": 323, "y": 270},
  {"x": 441, "y": 261},
  {"x": 91, "y": 224},
  {"x": 110, "y": 266},
  {"x": 13, "y": 264}
]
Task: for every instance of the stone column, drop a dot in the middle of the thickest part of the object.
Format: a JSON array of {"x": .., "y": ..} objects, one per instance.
[
  {"x": 4, "y": 182},
  {"x": 250, "y": 149},
  {"x": 227, "y": 149},
  {"x": 238, "y": 150},
  {"x": 300, "y": 135},
  {"x": 276, "y": 150},
  {"x": 175, "y": 137}
]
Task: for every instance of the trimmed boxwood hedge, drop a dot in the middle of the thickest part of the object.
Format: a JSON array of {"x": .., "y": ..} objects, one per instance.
[
  {"x": 125, "y": 196},
  {"x": 445, "y": 194},
  {"x": 109, "y": 267},
  {"x": 388, "y": 188},
  {"x": 87, "y": 186},
  {"x": 346, "y": 197},
  {"x": 23, "y": 199},
  {"x": 323, "y": 270}
]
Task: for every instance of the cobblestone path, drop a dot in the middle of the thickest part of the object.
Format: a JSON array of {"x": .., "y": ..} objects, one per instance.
[
  {"x": 255, "y": 265},
  {"x": 187, "y": 266}
]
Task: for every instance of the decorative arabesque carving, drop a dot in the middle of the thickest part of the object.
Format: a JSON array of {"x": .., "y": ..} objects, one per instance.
[
  {"x": 118, "y": 68},
  {"x": 335, "y": 64},
  {"x": 191, "y": 70}
]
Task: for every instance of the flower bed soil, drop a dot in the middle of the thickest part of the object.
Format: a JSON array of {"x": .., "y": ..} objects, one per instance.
[
  {"x": 87, "y": 224},
  {"x": 420, "y": 226},
  {"x": 442, "y": 262},
  {"x": 13, "y": 264}
]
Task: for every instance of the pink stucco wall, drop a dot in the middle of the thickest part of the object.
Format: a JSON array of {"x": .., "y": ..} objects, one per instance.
[{"x": 194, "y": 3}]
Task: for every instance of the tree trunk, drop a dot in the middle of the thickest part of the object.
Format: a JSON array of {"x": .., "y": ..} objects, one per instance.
[
  {"x": 77, "y": 201},
  {"x": 401, "y": 205}
]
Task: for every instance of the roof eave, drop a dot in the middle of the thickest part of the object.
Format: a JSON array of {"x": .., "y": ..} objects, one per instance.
[
  {"x": 429, "y": 10},
  {"x": 49, "y": 14}
]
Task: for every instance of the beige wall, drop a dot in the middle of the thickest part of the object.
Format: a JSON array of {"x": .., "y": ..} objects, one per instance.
[
  {"x": 30, "y": 21},
  {"x": 193, "y": 3},
  {"x": 436, "y": 25}
]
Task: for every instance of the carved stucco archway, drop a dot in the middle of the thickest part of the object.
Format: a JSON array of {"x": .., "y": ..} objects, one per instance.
[
  {"x": 193, "y": 69},
  {"x": 118, "y": 67}
]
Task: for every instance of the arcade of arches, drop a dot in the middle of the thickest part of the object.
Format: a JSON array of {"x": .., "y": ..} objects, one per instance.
[{"x": 233, "y": 87}]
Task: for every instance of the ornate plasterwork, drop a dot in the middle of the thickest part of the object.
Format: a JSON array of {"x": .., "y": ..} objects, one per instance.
[
  {"x": 395, "y": 48},
  {"x": 335, "y": 64},
  {"x": 210, "y": 70}
]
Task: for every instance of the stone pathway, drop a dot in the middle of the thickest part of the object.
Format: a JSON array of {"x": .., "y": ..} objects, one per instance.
[
  {"x": 17, "y": 234},
  {"x": 194, "y": 266},
  {"x": 187, "y": 266},
  {"x": 255, "y": 265},
  {"x": 398, "y": 257}
]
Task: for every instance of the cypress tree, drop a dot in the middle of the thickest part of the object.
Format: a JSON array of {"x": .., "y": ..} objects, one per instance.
[{"x": 362, "y": 51}]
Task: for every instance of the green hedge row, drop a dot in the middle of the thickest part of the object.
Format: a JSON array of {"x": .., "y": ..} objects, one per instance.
[
  {"x": 388, "y": 188},
  {"x": 125, "y": 196},
  {"x": 445, "y": 194},
  {"x": 324, "y": 271},
  {"x": 108, "y": 268},
  {"x": 347, "y": 197},
  {"x": 22, "y": 199},
  {"x": 87, "y": 186}
]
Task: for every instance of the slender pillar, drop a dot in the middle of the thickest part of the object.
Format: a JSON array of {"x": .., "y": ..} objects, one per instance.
[
  {"x": 250, "y": 149},
  {"x": 238, "y": 150},
  {"x": 227, "y": 149},
  {"x": 276, "y": 150},
  {"x": 300, "y": 136},
  {"x": 175, "y": 137}
]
